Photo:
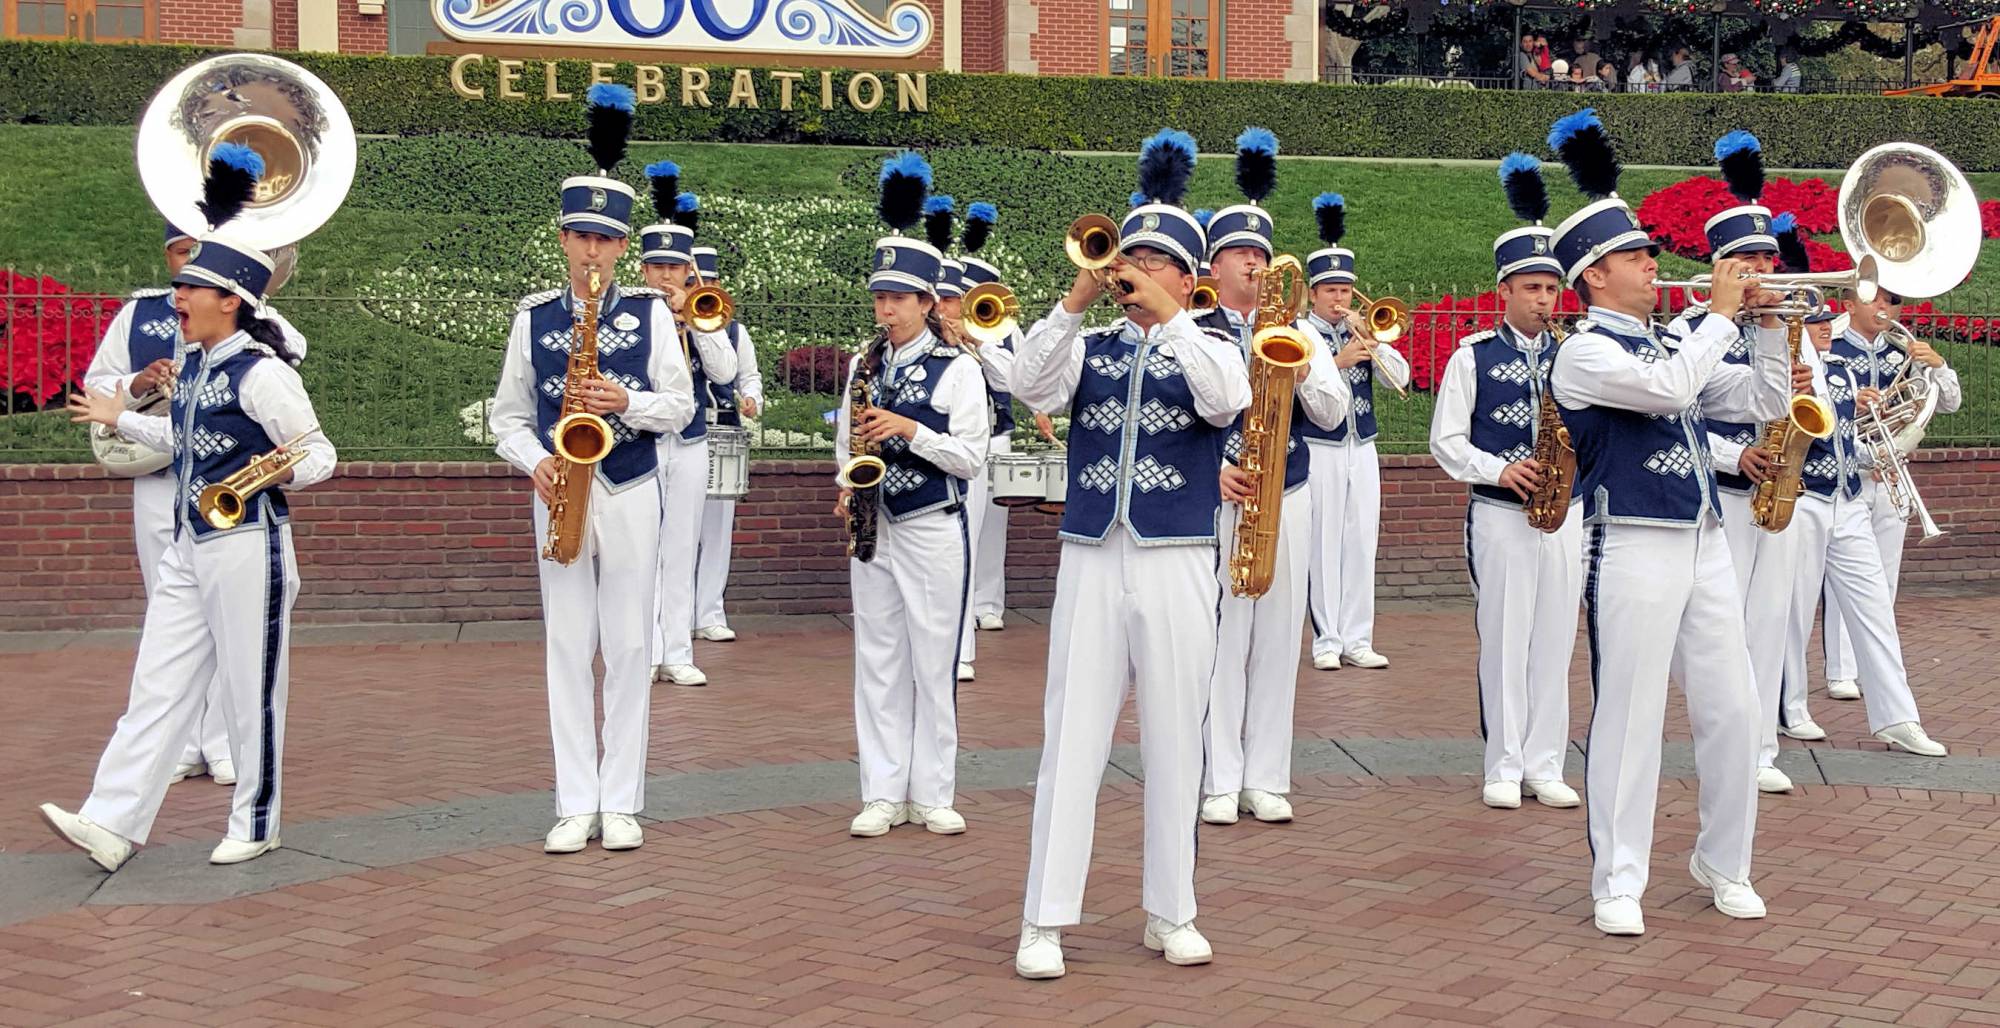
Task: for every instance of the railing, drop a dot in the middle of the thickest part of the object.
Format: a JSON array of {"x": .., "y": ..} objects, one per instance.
[
  {"x": 1703, "y": 83},
  {"x": 390, "y": 390}
]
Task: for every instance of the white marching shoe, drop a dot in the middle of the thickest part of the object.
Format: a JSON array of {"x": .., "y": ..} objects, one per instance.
[
  {"x": 1552, "y": 792},
  {"x": 1362, "y": 656},
  {"x": 236, "y": 851},
  {"x": 1219, "y": 810},
  {"x": 989, "y": 622},
  {"x": 877, "y": 817},
  {"x": 1805, "y": 731},
  {"x": 621, "y": 831},
  {"x": 964, "y": 671},
  {"x": 1620, "y": 915},
  {"x": 1909, "y": 737},
  {"x": 109, "y": 849},
  {"x": 1181, "y": 944},
  {"x": 1501, "y": 795},
  {"x": 679, "y": 674},
  {"x": 1040, "y": 953},
  {"x": 716, "y": 634},
  {"x": 1737, "y": 899},
  {"x": 1770, "y": 779},
  {"x": 1843, "y": 689},
  {"x": 937, "y": 820},
  {"x": 1326, "y": 662},
  {"x": 223, "y": 771},
  {"x": 1269, "y": 807},
  {"x": 571, "y": 834},
  {"x": 187, "y": 769}
]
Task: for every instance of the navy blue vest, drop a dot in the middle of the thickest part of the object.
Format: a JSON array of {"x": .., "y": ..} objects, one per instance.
[
  {"x": 214, "y": 437},
  {"x": 1506, "y": 407},
  {"x": 1139, "y": 455},
  {"x": 913, "y": 485},
  {"x": 1003, "y": 403},
  {"x": 1296, "y": 462},
  {"x": 1742, "y": 433},
  {"x": 1639, "y": 468},
  {"x": 722, "y": 395},
  {"x": 1360, "y": 381},
  {"x": 1872, "y": 369},
  {"x": 155, "y": 331},
  {"x": 1831, "y": 462},
  {"x": 624, "y": 349}
]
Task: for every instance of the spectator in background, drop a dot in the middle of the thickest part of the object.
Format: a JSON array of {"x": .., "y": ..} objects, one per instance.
[
  {"x": 1789, "y": 76},
  {"x": 1637, "y": 78},
  {"x": 1582, "y": 83},
  {"x": 1559, "y": 76},
  {"x": 1681, "y": 76},
  {"x": 1730, "y": 77},
  {"x": 1607, "y": 77},
  {"x": 1531, "y": 72},
  {"x": 1585, "y": 58}
]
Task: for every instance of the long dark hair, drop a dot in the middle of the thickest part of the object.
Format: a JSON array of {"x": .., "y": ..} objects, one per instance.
[{"x": 265, "y": 331}]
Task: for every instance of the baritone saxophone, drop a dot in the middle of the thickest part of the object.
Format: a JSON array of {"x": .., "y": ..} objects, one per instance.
[{"x": 1278, "y": 356}]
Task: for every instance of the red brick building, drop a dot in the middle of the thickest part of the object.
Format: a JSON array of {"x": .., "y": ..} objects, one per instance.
[{"x": 1235, "y": 39}]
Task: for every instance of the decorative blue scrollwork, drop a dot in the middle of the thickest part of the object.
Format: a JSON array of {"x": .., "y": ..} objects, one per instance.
[
  {"x": 712, "y": 23},
  {"x": 833, "y": 23},
  {"x": 824, "y": 22},
  {"x": 523, "y": 17}
]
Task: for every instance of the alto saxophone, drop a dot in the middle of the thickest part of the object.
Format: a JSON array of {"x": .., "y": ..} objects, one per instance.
[
  {"x": 864, "y": 470},
  {"x": 1785, "y": 442},
  {"x": 1548, "y": 504},
  {"x": 581, "y": 438},
  {"x": 1278, "y": 356}
]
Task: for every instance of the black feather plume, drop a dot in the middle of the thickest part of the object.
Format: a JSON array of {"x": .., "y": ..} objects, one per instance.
[
  {"x": 1741, "y": 158},
  {"x": 1330, "y": 213},
  {"x": 1585, "y": 148},
  {"x": 1256, "y": 163},
  {"x": 687, "y": 212},
  {"x": 233, "y": 171},
  {"x": 1166, "y": 162},
  {"x": 609, "y": 110},
  {"x": 1792, "y": 255},
  {"x": 939, "y": 213},
  {"x": 1527, "y": 194},
  {"x": 665, "y": 178},
  {"x": 905, "y": 179},
  {"x": 979, "y": 219}
]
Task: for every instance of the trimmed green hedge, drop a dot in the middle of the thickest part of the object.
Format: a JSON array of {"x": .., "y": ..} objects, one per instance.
[{"x": 82, "y": 84}]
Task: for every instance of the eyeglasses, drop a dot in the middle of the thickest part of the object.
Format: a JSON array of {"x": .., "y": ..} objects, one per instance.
[{"x": 1151, "y": 261}]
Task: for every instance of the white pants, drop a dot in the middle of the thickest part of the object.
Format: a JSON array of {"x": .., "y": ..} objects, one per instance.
[
  {"x": 219, "y": 610},
  {"x": 1123, "y": 613},
  {"x": 711, "y": 565},
  {"x": 1842, "y": 551},
  {"x": 1741, "y": 532},
  {"x": 1526, "y": 584},
  {"x": 603, "y": 602},
  {"x": 979, "y": 509},
  {"x": 1346, "y": 483},
  {"x": 1890, "y": 533},
  {"x": 1662, "y": 601},
  {"x": 684, "y": 481},
  {"x": 989, "y": 558},
  {"x": 909, "y": 603},
  {"x": 1768, "y": 583},
  {"x": 1248, "y": 737},
  {"x": 153, "y": 500}
]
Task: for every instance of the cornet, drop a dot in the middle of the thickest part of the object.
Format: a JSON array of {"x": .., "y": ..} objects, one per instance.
[
  {"x": 992, "y": 313},
  {"x": 1092, "y": 244},
  {"x": 1383, "y": 321},
  {"x": 1205, "y": 295}
]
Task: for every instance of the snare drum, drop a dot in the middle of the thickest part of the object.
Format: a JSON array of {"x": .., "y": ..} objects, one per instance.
[
  {"x": 1015, "y": 479},
  {"x": 728, "y": 462},
  {"x": 1055, "y": 481}
]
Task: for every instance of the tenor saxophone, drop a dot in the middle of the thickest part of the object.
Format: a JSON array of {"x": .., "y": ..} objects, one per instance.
[
  {"x": 581, "y": 438},
  {"x": 1785, "y": 442},
  {"x": 1278, "y": 356},
  {"x": 1548, "y": 504},
  {"x": 862, "y": 474}
]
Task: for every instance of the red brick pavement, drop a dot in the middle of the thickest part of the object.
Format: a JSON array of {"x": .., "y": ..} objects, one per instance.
[
  {"x": 1388, "y": 902},
  {"x": 378, "y": 728}
]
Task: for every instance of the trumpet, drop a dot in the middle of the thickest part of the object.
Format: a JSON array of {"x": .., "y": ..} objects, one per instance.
[
  {"x": 992, "y": 314},
  {"x": 224, "y": 504},
  {"x": 1205, "y": 296},
  {"x": 1384, "y": 321},
  {"x": 708, "y": 308},
  {"x": 1804, "y": 293},
  {"x": 1092, "y": 244}
]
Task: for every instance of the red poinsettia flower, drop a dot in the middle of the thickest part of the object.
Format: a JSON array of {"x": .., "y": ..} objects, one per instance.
[
  {"x": 1989, "y": 219},
  {"x": 49, "y": 335},
  {"x": 1674, "y": 216}
]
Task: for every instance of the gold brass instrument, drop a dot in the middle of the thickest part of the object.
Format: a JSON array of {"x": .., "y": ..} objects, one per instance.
[
  {"x": 1386, "y": 320},
  {"x": 1547, "y": 506},
  {"x": 1205, "y": 295},
  {"x": 708, "y": 308},
  {"x": 991, "y": 315},
  {"x": 1785, "y": 443},
  {"x": 581, "y": 438},
  {"x": 863, "y": 473},
  {"x": 1092, "y": 244},
  {"x": 1278, "y": 356},
  {"x": 224, "y": 504}
]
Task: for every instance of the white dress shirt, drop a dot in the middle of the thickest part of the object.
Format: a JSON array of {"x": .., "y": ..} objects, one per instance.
[
  {"x": 749, "y": 380},
  {"x": 1596, "y": 370},
  {"x": 1050, "y": 364},
  {"x": 273, "y": 395},
  {"x": 1457, "y": 395},
  {"x": 960, "y": 450}
]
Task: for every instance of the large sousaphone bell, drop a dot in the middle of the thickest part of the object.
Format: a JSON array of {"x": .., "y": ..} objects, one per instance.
[
  {"x": 293, "y": 120},
  {"x": 1915, "y": 213}
]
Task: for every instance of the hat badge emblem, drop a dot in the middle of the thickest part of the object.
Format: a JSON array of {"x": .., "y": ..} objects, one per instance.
[
  {"x": 1541, "y": 245},
  {"x": 1149, "y": 223},
  {"x": 888, "y": 258},
  {"x": 1757, "y": 223},
  {"x": 598, "y": 199},
  {"x": 194, "y": 251},
  {"x": 1254, "y": 223}
]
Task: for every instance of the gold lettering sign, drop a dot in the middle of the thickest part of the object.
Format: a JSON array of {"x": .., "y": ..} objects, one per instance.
[{"x": 476, "y": 77}]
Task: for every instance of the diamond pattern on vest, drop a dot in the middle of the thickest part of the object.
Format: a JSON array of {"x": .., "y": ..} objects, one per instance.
[
  {"x": 1160, "y": 365},
  {"x": 1156, "y": 417},
  {"x": 1106, "y": 415},
  {"x": 1516, "y": 452},
  {"x": 1151, "y": 475},
  {"x": 1110, "y": 367},
  {"x": 1101, "y": 476},
  {"x": 160, "y": 328},
  {"x": 216, "y": 393},
  {"x": 902, "y": 479},
  {"x": 1514, "y": 371},
  {"x": 1519, "y": 414},
  {"x": 1675, "y": 460},
  {"x": 1825, "y": 465},
  {"x": 207, "y": 443}
]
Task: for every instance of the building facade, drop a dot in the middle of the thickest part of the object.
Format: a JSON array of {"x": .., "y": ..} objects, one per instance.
[{"x": 1232, "y": 39}]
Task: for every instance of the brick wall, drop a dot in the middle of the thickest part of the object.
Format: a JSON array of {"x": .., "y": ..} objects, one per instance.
[
  {"x": 1254, "y": 36},
  {"x": 984, "y": 38},
  {"x": 451, "y": 542},
  {"x": 285, "y": 25},
  {"x": 211, "y": 22},
  {"x": 1068, "y": 38},
  {"x": 361, "y": 33}
]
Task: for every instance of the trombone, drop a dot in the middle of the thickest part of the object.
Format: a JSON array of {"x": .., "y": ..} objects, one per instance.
[
  {"x": 991, "y": 314},
  {"x": 708, "y": 308},
  {"x": 1383, "y": 321}
]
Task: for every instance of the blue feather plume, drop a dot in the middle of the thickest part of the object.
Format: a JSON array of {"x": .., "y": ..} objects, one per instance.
[
  {"x": 1792, "y": 255},
  {"x": 1527, "y": 194},
  {"x": 233, "y": 171},
  {"x": 980, "y": 217},
  {"x": 687, "y": 212},
  {"x": 1202, "y": 216},
  {"x": 1742, "y": 161},
  {"x": 1137, "y": 198},
  {"x": 1166, "y": 163},
  {"x": 938, "y": 217},
  {"x": 1256, "y": 163},
  {"x": 1330, "y": 214},
  {"x": 905, "y": 179},
  {"x": 665, "y": 178},
  {"x": 608, "y": 112},
  {"x": 1585, "y": 148}
]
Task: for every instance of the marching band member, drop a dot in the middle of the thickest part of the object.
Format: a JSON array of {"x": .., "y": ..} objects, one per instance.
[
  {"x": 1840, "y": 547},
  {"x": 1248, "y": 737},
  {"x": 927, "y": 414},
  {"x": 1346, "y": 477},
  {"x": 1875, "y": 355},
  {"x": 1659, "y": 590},
  {"x": 222, "y": 593},
  {"x": 135, "y": 357},
  {"x": 989, "y": 555},
  {"x": 1151, "y": 398},
  {"x": 940, "y": 216},
  {"x": 683, "y": 458},
  {"x": 731, "y": 402},
  {"x": 1525, "y": 582},
  {"x": 603, "y": 601}
]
